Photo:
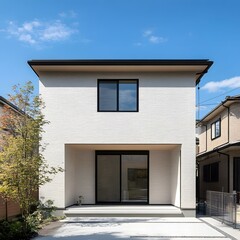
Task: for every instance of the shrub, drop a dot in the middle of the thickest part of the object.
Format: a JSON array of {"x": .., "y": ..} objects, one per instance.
[
  {"x": 24, "y": 229},
  {"x": 15, "y": 230}
]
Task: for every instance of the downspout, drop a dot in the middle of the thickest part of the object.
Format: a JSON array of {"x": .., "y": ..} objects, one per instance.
[{"x": 228, "y": 159}]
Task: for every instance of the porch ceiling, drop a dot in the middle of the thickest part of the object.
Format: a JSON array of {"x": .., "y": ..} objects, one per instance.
[{"x": 163, "y": 147}]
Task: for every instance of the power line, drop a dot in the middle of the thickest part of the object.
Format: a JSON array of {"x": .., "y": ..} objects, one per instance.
[
  {"x": 219, "y": 95},
  {"x": 208, "y": 104}
]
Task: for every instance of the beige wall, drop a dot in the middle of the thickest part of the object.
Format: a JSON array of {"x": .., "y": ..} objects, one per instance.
[
  {"x": 207, "y": 136},
  {"x": 235, "y": 122},
  {"x": 234, "y": 129}
]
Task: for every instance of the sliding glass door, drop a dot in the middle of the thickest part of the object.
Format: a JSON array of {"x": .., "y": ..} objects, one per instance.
[
  {"x": 108, "y": 178},
  {"x": 122, "y": 177}
]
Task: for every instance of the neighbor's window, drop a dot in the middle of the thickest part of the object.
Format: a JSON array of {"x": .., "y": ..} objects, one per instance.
[
  {"x": 211, "y": 172},
  {"x": 118, "y": 95},
  {"x": 216, "y": 129}
]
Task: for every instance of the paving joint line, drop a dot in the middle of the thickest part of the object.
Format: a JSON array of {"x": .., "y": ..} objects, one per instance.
[
  {"x": 219, "y": 230},
  {"x": 169, "y": 237}
]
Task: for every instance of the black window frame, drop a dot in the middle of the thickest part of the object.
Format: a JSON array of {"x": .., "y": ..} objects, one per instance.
[
  {"x": 118, "y": 81},
  {"x": 120, "y": 153},
  {"x": 214, "y": 125}
]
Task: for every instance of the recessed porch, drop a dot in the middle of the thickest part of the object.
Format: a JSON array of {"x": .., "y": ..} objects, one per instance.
[{"x": 155, "y": 174}]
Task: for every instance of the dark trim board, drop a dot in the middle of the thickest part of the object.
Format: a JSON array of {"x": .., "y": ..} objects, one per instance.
[
  {"x": 121, "y": 62},
  {"x": 120, "y": 153}
]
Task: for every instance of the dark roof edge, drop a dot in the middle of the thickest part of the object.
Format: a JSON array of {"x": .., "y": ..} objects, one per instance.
[
  {"x": 15, "y": 108},
  {"x": 112, "y": 62},
  {"x": 210, "y": 63},
  {"x": 219, "y": 105},
  {"x": 222, "y": 147},
  {"x": 122, "y": 62}
]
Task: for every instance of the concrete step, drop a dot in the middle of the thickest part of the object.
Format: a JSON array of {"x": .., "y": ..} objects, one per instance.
[{"x": 123, "y": 211}]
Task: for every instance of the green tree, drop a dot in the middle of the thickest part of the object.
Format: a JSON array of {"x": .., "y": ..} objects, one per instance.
[{"x": 22, "y": 165}]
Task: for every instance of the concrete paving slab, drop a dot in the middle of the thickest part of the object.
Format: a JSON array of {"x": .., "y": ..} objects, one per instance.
[{"x": 135, "y": 229}]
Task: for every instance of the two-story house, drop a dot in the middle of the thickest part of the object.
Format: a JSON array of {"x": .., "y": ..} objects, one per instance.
[
  {"x": 219, "y": 148},
  {"x": 123, "y": 130}
]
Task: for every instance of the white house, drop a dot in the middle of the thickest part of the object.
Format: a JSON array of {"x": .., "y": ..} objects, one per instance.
[{"x": 123, "y": 130}]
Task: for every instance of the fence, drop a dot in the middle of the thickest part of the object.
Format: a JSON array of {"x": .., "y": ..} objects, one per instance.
[
  {"x": 8, "y": 209},
  {"x": 223, "y": 206}
]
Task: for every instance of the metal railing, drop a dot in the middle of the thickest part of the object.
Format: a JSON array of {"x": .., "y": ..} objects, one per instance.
[{"x": 223, "y": 206}]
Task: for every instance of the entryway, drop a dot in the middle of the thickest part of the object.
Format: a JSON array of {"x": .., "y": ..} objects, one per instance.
[{"x": 122, "y": 177}]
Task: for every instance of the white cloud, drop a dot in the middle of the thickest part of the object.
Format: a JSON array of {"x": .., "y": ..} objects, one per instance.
[
  {"x": 155, "y": 39},
  {"x": 55, "y": 32},
  {"x": 68, "y": 14},
  {"x": 221, "y": 85},
  {"x": 28, "y": 27},
  {"x": 147, "y": 33},
  {"x": 27, "y": 38},
  {"x": 152, "y": 38},
  {"x": 37, "y": 32}
]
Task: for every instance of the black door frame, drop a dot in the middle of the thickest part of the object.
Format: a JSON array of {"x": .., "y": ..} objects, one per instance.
[{"x": 127, "y": 152}]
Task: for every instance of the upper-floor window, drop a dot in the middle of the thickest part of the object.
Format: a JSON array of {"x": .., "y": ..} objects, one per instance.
[
  {"x": 216, "y": 129},
  {"x": 117, "y": 95}
]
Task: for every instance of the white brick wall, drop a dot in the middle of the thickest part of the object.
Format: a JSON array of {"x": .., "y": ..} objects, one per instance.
[{"x": 166, "y": 116}]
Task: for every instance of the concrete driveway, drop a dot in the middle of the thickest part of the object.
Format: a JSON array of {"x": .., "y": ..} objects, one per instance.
[{"x": 137, "y": 228}]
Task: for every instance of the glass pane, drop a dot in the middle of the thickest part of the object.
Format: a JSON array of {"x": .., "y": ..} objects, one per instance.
[
  {"x": 217, "y": 128},
  {"x": 213, "y": 130},
  {"x": 107, "y": 96},
  {"x": 108, "y": 178},
  {"x": 134, "y": 178},
  {"x": 127, "y": 96}
]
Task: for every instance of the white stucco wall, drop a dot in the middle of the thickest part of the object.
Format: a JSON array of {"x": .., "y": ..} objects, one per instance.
[
  {"x": 175, "y": 176},
  {"x": 85, "y": 176},
  {"x": 70, "y": 182},
  {"x": 166, "y": 116},
  {"x": 159, "y": 177}
]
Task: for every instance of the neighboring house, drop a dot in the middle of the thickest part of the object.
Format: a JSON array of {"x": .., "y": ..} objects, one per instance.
[
  {"x": 8, "y": 209},
  {"x": 123, "y": 130},
  {"x": 219, "y": 148}
]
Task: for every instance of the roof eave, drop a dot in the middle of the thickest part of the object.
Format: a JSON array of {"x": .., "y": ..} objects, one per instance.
[
  {"x": 227, "y": 100},
  {"x": 126, "y": 62}
]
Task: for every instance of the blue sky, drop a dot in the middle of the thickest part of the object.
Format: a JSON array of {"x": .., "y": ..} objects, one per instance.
[{"x": 123, "y": 29}]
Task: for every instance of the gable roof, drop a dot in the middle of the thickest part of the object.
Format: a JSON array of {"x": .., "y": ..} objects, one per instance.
[
  {"x": 198, "y": 66},
  {"x": 4, "y": 101},
  {"x": 219, "y": 108}
]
